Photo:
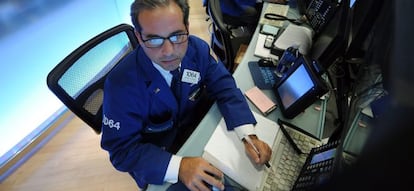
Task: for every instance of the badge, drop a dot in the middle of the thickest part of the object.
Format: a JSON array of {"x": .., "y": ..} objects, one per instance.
[{"x": 190, "y": 76}]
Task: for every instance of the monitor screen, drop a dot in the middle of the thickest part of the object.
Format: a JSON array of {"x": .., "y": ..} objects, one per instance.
[
  {"x": 300, "y": 87},
  {"x": 351, "y": 3},
  {"x": 323, "y": 156},
  {"x": 295, "y": 86}
]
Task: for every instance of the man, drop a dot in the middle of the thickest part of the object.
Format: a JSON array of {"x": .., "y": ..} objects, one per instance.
[{"x": 144, "y": 121}]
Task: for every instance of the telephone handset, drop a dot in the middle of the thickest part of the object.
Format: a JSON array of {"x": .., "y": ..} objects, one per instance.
[{"x": 318, "y": 166}]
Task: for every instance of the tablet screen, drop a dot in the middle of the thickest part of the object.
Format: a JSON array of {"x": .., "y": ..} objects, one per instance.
[{"x": 295, "y": 86}]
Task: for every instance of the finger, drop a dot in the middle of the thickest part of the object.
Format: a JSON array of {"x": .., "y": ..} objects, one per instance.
[
  {"x": 192, "y": 187},
  {"x": 197, "y": 185},
  {"x": 253, "y": 154},
  {"x": 262, "y": 152},
  {"x": 218, "y": 184},
  {"x": 215, "y": 181},
  {"x": 265, "y": 152},
  {"x": 200, "y": 185},
  {"x": 213, "y": 171}
]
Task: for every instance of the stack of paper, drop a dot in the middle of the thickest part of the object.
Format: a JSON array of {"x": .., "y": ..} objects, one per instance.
[
  {"x": 226, "y": 151},
  {"x": 294, "y": 35}
]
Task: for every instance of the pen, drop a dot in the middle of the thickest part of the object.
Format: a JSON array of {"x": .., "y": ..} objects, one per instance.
[{"x": 248, "y": 140}]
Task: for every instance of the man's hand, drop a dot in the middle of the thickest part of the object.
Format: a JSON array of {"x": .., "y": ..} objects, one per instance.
[
  {"x": 196, "y": 174},
  {"x": 263, "y": 153}
]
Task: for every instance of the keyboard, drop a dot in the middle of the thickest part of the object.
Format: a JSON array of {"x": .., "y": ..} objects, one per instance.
[
  {"x": 286, "y": 162},
  {"x": 269, "y": 75},
  {"x": 263, "y": 77}
]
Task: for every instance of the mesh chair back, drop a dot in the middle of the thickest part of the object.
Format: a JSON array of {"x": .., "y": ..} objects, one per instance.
[
  {"x": 78, "y": 80},
  {"x": 220, "y": 37},
  {"x": 223, "y": 43}
]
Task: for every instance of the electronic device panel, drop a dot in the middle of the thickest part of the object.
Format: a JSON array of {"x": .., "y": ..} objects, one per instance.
[
  {"x": 332, "y": 41},
  {"x": 364, "y": 14},
  {"x": 318, "y": 167},
  {"x": 300, "y": 87},
  {"x": 320, "y": 12}
]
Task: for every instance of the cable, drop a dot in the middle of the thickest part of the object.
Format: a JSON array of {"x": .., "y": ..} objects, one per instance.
[{"x": 277, "y": 17}]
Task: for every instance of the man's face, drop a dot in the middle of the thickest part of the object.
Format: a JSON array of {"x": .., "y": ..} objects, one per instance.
[{"x": 163, "y": 22}]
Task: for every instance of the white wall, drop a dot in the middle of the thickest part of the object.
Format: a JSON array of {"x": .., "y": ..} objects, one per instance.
[{"x": 32, "y": 41}]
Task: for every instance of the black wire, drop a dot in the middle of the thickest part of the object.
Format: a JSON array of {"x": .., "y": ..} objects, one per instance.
[
  {"x": 288, "y": 137},
  {"x": 277, "y": 17}
]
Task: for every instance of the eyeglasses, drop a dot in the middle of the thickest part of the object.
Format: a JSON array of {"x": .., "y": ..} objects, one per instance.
[{"x": 156, "y": 42}]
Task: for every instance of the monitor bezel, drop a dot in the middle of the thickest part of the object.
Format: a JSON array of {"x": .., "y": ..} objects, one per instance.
[{"x": 309, "y": 97}]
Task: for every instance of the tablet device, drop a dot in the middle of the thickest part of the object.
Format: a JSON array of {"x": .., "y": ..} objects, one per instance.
[{"x": 300, "y": 87}]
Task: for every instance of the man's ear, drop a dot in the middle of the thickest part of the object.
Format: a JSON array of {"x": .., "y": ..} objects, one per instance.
[
  {"x": 188, "y": 27},
  {"x": 137, "y": 34}
]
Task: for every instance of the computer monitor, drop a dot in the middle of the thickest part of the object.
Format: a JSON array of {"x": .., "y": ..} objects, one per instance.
[
  {"x": 363, "y": 16},
  {"x": 368, "y": 139},
  {"x": 299, "y": 88},
  {"x": 383, "y": 162},
  {"x": 331, "y": 42}
]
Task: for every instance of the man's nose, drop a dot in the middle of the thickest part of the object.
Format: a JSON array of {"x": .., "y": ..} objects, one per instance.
[{"x": 167, "y": 48}]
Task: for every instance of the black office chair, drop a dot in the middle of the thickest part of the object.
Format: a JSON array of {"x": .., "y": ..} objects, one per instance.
[
  {"x": 78, "y": 80},
  {"x": 223, "y": 43}
]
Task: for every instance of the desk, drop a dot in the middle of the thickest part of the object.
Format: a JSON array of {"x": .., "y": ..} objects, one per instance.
[{"x": 310, "y": 120}]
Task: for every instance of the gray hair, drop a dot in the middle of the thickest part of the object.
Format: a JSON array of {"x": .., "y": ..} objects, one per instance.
[{"x": 139, "y": 5}]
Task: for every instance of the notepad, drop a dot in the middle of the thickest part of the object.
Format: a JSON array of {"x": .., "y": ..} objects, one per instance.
[
  {"x": 226, "y": 151},
  {"x": 263, "y": 103}
]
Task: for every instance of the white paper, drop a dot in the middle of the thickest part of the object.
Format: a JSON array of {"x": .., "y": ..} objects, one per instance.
[
  {"x": 226, "y": 151},
  {"x": 295, "y": 35},
  {"x": 260, "y": 50}
]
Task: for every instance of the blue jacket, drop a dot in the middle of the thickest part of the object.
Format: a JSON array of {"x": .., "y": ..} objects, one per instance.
[{"x": 140, "y": 109}]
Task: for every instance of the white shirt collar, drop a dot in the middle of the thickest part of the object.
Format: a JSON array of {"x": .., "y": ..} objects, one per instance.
[{"x": 165, "y": 73}]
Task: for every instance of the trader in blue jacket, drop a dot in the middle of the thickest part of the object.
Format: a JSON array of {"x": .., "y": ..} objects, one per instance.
[{"x": 142, "y": 119}]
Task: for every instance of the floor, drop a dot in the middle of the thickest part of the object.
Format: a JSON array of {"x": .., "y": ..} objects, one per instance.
[{"x": 73, "y": 158}]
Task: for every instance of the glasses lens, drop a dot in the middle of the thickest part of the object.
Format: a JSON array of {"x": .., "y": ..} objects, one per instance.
[
  {"x": 154, "y": 42},
  {"x": 157, "y": 42},
  {"x": 179, "y": 38},
  {"x": 174, "y": 38}
]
